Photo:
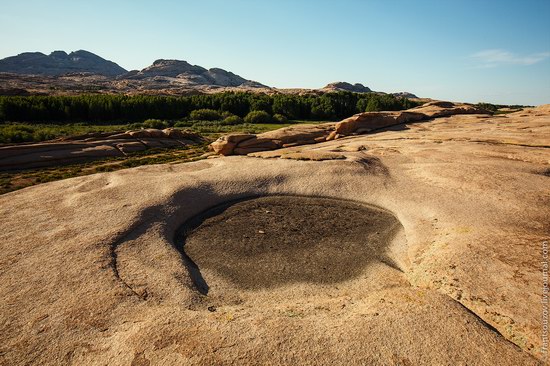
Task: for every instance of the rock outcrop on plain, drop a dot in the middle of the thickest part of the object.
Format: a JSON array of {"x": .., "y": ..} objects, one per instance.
[
  {"x": 60, "y": 63},
  {"x": 357, "y": 124},
  {"x": 92, "y": 147},
  {"x": 95, "y": 269}
]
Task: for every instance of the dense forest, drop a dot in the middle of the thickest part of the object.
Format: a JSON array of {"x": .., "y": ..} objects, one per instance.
[{"x": 108, "y": 109}]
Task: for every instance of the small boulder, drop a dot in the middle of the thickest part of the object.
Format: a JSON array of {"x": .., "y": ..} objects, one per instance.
[{"x": 225, "y": 144}]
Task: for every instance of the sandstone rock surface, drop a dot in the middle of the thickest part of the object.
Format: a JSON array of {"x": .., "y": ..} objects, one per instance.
[
  {"x": 360, "y": 123},
  {"x": 284, "y": 137},
  {"x": 93, "y": 272},
  {"x": 369, "y": 121}
]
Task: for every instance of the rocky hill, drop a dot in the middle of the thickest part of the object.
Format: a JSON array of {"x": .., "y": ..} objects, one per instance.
[
  {"x": 359, "y": 88},
  {"x": 344, "y": 86},
  {"x": 404, "y": 95},
  {"x": 60, "y": 63},
  {"x": 182, "y": 72}
]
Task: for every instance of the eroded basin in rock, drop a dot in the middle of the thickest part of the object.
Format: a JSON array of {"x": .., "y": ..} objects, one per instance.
[{"x": 278, "y": 240}]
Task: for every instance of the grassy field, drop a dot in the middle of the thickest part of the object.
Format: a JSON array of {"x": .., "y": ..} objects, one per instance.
[{"x": 22, "y": 132}]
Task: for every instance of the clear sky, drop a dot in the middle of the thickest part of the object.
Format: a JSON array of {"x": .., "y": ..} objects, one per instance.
[{"x": 494, "y": 51}]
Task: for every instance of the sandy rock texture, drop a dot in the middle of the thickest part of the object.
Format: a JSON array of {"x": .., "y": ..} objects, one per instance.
[
  {"x": 360, "y": 123},
  {"x": 102, "y": 269},
  {"x": 91, "y": 147}
]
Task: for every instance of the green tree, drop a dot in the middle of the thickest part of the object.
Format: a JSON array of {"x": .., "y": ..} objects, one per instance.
[
  {"x": 205, "y": 115},
  {"x": 258, "y": 117}
]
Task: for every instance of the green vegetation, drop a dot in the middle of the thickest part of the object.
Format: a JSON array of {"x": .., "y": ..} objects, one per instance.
[
  {"x": 258, "y": 117},
  {"x": 155, "y": 123},
  {"x": 205, "y": 115},
  {"x": 50, "y": 117},
  {"x": 40, "y": 118},
  {"x": 13, "y": 180},
  {"x": 24, "y": 132},
  {"x": 495, "y": 108},
  {"x": 18, "y": 132},
  {"x": 279, "y": 118},
  {"x": 116, "y": 109},
  {"x": 233, "y": 120}
]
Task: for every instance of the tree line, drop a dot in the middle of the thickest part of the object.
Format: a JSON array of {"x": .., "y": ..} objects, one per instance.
[{"x": 107, "y": 109}]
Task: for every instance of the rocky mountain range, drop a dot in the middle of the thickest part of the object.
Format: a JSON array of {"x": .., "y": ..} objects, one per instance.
[
  {"x": 182, "y": 72},
  {"x": 84, "y": 72},
  {"x": 59, "y": 63}
]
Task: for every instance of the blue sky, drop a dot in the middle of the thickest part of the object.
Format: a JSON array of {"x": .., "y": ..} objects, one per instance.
[{"x": 495, "y": 51}]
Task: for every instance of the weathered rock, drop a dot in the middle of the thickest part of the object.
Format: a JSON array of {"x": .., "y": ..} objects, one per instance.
[
  {"x": 247, "y": 150},
  {"x": 283, "y": 137},
  {"x": 121, "y": 136},
  {"x": 305, "y": 134},
  {"x": 369, "y": 121},
  {"x": 443, "y": 109},
  {"x": 92, "y": 270},
  {"x": 260, "y": 142},
  {"x": 176, "y": 133},
  {"x": 301, "y": 132},
  {"x": 138, "y": 134},
  {"x": 62, "y": 152},
  {"x": 147, "y": 133},
  {"x": 160, "y": 143},
  {"x": 131, "y": 146},
  {"x": 155, "y": 133},
  {"x": 313, "y": 155},
  {"x": 43, "y": 155},
  {"x": 225, "y": 144}
]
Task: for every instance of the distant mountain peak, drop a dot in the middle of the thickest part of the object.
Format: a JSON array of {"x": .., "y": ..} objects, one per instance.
[
  {"x": 60, "y": 63},
  {"x": 59, "y": 54},
  {"x": 345, "y": 86},
  {"x": 404, "y": 95},
  {"x": 182, "y": 72}
]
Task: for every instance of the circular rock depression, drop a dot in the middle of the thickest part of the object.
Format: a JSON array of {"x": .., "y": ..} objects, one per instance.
[{"x": 275, "y": 240}]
